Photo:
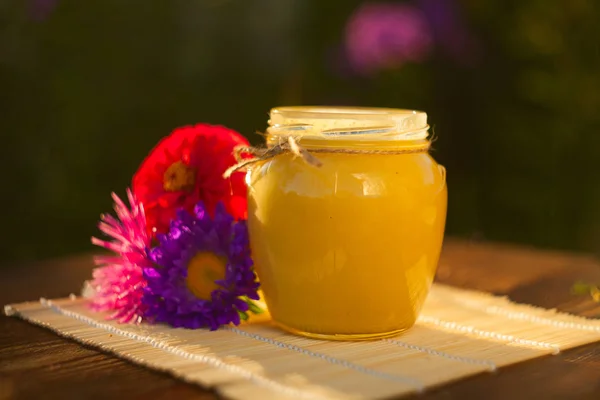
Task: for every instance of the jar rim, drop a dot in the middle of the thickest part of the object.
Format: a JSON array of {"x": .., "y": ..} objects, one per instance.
[
  {"x": 343, "y": 111},
  {"x": 329, "y": 122}
]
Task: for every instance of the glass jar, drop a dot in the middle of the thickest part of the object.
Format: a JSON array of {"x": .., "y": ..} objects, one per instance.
[{"x": 347, "y": 250}]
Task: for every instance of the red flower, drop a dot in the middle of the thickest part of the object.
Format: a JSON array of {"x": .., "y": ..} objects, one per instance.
[{"x": 186, "y": 167}]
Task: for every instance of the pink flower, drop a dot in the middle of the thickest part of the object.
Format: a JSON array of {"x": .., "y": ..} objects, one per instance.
[
  {"x": 118, "y": 282},
  {"x": 387, "y": 35}
]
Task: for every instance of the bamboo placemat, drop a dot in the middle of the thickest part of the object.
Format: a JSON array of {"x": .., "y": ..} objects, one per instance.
[{"x": 459, "y": 334}]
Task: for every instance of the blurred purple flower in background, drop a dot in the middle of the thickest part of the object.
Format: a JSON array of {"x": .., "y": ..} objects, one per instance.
[
  {"x": 383, "y": 36},
  {"x": 386, "y": 35},
  {"x": 450, "y": 30},
  {"x": 40, "y": 10}
]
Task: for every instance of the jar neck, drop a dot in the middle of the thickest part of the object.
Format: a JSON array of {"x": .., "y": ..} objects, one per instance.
[{"x": 310, "y": 143}]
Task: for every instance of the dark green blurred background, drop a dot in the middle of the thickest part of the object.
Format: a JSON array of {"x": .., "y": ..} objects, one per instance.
[{"x": 512, "y": 88}]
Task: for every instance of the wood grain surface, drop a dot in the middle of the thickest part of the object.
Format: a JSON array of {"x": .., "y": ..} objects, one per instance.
[{"x": 36, "y": 364}]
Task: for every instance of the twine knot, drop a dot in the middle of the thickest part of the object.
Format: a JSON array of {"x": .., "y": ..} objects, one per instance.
[
  {"x": 290, "y": 145},
  {"x": 262, "y": 154}
]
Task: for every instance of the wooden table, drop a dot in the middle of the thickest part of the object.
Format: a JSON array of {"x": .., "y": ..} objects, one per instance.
[{"x": 35, "y": 363}]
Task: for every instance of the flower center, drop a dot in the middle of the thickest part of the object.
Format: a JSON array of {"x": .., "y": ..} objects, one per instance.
[
  {"x": 203, "y": 270},
  {"x": 179, "y": 177}
]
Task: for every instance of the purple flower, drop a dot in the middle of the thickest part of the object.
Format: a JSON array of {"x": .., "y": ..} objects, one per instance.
[
  {"x": 40, "y": 10},
  {"x": 386, "y": 35},
  {"x": 204, "y": 274},
  {"x": 118, "y": 282}
]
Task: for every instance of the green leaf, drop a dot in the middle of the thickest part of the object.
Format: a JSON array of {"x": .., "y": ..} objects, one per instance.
[
  {"x": 243, "y": 315},
  {"x": 581, "y": 288},
  {"x": 254, "y": 308}
]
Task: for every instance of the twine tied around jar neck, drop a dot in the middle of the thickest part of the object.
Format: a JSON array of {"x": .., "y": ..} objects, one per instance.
[{"x": 290, "y": 145}]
